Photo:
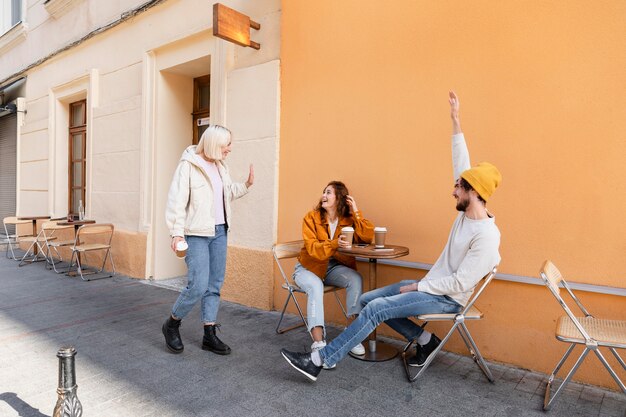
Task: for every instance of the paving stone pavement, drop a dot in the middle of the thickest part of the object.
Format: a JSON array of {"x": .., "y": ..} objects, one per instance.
[{"x": 123, "y": 368}]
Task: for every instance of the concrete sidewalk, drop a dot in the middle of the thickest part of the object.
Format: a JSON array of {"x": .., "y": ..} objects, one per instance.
[{"x": 123, "y": 368}]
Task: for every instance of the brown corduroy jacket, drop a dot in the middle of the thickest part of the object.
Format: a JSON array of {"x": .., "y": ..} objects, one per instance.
[{"x": 319, "y": 247}]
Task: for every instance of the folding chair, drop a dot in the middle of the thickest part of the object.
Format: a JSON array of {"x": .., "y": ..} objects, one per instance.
[
  {"x": 12, "y": 238},
  {"x": 90, "y": 238},
  {"x": 469, "y": 312},
  {"x": 289, "y": 250},
  {"x": 49, "y": 230},
  {"x": 36, "y": 251},
  {"x": 588, "y": 331}
]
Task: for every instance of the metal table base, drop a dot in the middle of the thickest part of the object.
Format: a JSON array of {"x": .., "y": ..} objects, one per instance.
[{"x": 377, "y": 351}]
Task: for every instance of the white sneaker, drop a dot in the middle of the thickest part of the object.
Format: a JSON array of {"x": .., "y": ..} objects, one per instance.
[
  {"x": 358, "y": 350},
  {"x": 318, "y": 346}
]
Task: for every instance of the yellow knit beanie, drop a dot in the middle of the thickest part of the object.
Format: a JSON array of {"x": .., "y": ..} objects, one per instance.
[{"x": 484, "y": 178}]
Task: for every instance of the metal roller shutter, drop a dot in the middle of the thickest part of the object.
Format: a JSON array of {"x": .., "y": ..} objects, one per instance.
[{"x": 8, "y": 165}]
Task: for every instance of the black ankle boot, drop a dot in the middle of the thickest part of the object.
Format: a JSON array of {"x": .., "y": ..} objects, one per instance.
[
  {"x": 211, "y": 342},
  {"x": 172, "y": 335}
]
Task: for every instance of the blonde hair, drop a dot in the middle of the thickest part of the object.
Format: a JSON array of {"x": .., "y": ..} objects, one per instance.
[{"x": 213, "y": 139}]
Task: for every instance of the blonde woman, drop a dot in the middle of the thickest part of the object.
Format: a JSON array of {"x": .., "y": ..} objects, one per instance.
[{"x": 198, "y": 212}]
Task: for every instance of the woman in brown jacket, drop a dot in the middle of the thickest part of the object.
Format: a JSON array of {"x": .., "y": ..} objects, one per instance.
[{"x": 320, "y": 263}]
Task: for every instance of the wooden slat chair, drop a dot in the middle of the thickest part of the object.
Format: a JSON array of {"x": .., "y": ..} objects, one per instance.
[
  {"x": 91, "y": 238},
  {"x": 469, "y": 313},
  {"x": 288, "y": 250},
  {"x": 588, "y": 331}
]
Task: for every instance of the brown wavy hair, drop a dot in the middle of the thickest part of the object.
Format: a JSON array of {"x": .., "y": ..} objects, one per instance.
[{"x": 341, "y": 192}]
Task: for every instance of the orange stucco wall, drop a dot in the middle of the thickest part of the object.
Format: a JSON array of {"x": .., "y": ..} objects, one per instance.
[{"x": 364, "y": 100}]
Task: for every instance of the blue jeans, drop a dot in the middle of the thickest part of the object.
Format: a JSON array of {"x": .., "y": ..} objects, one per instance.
[
  {"x": 387, "y": 305},
  {"x": 337, "y": 275},
  {"x": 206, "y": 264}
]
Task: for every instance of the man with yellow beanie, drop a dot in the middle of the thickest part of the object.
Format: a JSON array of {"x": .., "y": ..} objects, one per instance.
[{"x": 470, "y": 253}]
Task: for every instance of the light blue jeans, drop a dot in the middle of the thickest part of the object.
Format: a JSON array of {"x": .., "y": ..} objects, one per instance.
[
  {"x": 337, "y": 275},
  {"x": 206, "y": 265},
  {"x": 388, "y": 305}
]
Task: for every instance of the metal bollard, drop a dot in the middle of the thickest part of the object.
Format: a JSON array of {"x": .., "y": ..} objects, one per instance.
[{"x": 68, "y": 404}]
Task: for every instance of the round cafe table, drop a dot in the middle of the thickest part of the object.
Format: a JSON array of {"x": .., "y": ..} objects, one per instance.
[
  {"x": 75, "y": 223},
  {"x": 376, "y": 351}
]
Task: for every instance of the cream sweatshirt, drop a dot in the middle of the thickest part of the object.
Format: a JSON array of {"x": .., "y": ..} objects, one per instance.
[
  {"x": 189, "y": 209},
  {"x": 472, "y": 247}
]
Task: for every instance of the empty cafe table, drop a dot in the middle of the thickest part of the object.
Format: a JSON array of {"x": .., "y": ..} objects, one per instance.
[
  {"x": 376, "y": 351},
  {"x": 75, "y": 223},
  {"x": 34, "y": 220}
]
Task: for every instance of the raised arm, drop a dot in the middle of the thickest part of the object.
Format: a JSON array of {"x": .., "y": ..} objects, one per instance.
[
  {"x": 460, "y": 154},
  {"x": 237, "y": 189},
  {"x": 363, "y": 228},
  {"x": 454, "y": 113}
]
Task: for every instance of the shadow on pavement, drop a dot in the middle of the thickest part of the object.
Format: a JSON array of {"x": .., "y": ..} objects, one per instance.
[{"x": 23, "y": 409}]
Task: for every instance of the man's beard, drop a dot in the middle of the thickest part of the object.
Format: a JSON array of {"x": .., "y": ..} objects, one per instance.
[{"x": 462, "y": 205}]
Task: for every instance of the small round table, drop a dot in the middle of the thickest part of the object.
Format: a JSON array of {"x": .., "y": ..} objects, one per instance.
[{"x": 376, "y": 351}]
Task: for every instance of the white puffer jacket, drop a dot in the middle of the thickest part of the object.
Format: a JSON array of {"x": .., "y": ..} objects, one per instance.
[{"x": 190, "y": 208}]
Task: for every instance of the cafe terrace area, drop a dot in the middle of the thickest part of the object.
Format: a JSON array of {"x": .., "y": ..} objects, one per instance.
[{"x": 124, "y": 369}]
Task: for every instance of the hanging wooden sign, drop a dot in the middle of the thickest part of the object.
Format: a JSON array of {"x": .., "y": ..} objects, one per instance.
[{"x": 233, "y": 26}]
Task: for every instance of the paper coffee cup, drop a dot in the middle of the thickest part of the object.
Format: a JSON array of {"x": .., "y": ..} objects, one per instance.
[
  {"x": 181, "y": 249},
  {"x": 348, "y": 233},
  {"x": 379, "y": 236}
]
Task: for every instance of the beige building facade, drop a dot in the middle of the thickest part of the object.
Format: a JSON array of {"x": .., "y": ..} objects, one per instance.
[{"x": 138, "y": 71}]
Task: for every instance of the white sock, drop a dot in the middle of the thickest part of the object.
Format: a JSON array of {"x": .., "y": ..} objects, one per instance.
[
  {"x": 423, "y": 338},
  {"x": 318, "y": 345},
  {"x": 316, "y": 358}
]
